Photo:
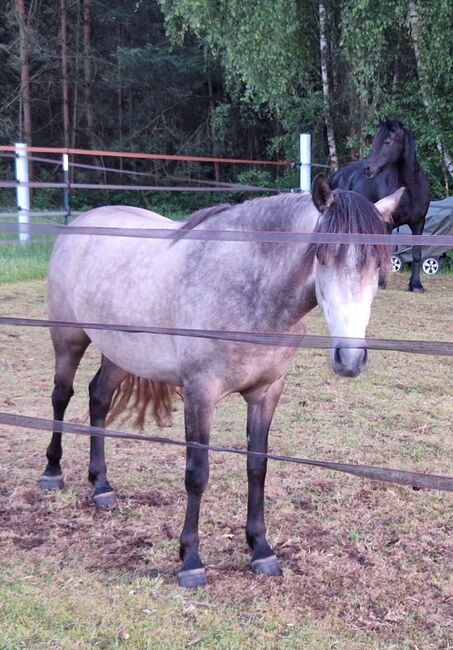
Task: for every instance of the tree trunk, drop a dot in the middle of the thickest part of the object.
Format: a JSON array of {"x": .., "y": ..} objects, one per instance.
[
  {"x": 25, "y": 120},
  {"x": 326, "y": 87},
  {"x": 88, "y": 74},
  {"x": 414, "y": 20},
  {"x": 120, "y": 95},
  {"x": 25, "y": 93},
  {"x": 64, "y": 73},
  {"x": 213, "y": 131}
]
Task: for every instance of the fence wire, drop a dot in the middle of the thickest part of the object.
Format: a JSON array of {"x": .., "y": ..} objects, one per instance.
[{"x": 402, "y": 477}]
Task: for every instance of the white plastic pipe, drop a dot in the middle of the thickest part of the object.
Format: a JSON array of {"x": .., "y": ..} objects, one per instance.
[
  {"x": 22, "y": 192},
  {"x": 305, "y": 162}
]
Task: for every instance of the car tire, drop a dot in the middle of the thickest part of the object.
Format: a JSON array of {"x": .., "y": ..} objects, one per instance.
[
  {"x": 431, "y": 265},
  {"x": 397, "y": 263}
]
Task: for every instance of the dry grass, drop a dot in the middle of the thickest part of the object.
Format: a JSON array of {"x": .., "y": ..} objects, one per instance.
[{"x": 366, "y": 565}]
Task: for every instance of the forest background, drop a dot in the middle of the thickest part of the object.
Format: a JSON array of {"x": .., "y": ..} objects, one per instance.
[{"x": 224, "y": 78}]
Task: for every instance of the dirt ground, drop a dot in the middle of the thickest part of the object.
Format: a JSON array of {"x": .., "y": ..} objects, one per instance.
[{"x": 366, "y": 564}]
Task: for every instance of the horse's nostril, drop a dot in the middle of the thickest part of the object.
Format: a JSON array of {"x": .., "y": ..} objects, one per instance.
[{"x": 336, "y": 356}]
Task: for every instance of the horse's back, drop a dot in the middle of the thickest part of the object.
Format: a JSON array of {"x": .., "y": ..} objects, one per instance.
[
  {"x": 123, "y": 216},
  {"x": 79, "y": 260},
  {"x": 347, "y": 177}
]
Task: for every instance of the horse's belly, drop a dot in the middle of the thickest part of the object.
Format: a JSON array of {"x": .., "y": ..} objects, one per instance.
[{"x": 150, "y": 356}]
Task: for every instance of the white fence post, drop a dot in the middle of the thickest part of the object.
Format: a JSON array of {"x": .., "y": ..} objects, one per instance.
[
  {"x": 22, "y": 191},
  {"x": 66, "y": 190},
  {"x": 305, "y": 162}
]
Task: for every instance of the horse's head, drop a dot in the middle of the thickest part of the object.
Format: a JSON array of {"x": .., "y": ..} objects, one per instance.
[
  {"x": 388, "y": 146},
  {"x": 346, "y": 275}
]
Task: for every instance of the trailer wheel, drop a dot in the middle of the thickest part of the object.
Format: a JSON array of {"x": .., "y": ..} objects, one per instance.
[
  {"x": 397, "y": 263},
  {"x": 431, "y": 265}
]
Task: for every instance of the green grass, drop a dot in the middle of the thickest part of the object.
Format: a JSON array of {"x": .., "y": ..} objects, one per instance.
[
  {"x": 20, "y": 262},
  {"x": 366, "y": 565}
]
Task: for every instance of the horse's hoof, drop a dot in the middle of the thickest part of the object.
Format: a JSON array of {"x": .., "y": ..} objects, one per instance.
[
  {"x": 104, "y": 500},
  {"x": 417, "y": 289},
  {"x": 49, "y": 482},
  {"x": 192, "y": 578},
  {"x": 266, "y": 566}
]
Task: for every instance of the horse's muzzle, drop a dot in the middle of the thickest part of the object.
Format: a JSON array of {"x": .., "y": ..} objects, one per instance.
[{"x": 349, "y": 362}]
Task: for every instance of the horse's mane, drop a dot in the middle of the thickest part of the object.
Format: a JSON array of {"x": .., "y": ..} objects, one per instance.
[
  {"x": 410, "y": 163},
  {"x": 275, "y": 213},
  {"x": 198, "y": 217},
  {"x": 349, "y": 213}
]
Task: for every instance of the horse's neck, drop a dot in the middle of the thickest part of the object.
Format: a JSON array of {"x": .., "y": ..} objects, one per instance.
[{"x": 282, "y": 268}]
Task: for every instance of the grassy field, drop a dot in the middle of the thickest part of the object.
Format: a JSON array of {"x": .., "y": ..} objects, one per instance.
[
  {"x": 23, "y": 262},
  {"x": 366, "y": 565}
]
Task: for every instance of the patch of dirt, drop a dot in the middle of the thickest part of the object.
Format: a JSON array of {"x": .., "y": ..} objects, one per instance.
[{"x": 376, "y": 557}]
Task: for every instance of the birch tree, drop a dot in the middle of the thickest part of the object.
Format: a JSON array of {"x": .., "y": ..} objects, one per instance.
[
  {"x": 416, "y": 28},
  {"x": 324, "y": 50}
]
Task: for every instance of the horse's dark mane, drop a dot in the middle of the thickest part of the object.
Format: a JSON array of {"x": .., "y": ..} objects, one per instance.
[
  {"x": 198, "y": 217},
  {"x": 276, "y": 213},
  {"x": 349, "y": 213}
]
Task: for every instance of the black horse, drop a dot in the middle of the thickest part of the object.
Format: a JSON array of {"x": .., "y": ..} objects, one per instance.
[{"x": 391, "y": 164}]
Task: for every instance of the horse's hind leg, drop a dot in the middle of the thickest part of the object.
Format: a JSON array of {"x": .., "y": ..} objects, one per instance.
[
  {"x": 260, "y": 410},
  {"x": 102, "y": 387},
  {"x": 69, "y": 346}
]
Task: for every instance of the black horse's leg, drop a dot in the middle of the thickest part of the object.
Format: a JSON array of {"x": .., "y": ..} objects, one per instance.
[
  {"x": 69, "y": 346},
  {"x": 382, "y": 281},
  {"x": 414, "y": 282},
  {"x": 198, "y": 410},
  {"x": 261, "y": 406},
  {"x": 102, "y": 387}
]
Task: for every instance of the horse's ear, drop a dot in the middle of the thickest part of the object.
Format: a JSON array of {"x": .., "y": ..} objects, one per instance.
[
  {"x": 389, "y": 204},
  {"x": 389, "y": 124},
  {"x": 321, "y": 193}
]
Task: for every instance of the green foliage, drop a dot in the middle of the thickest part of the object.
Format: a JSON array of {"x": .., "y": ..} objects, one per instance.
[
  {"x": 377, "y": 40},
  {"x": 226, "y": 78}
]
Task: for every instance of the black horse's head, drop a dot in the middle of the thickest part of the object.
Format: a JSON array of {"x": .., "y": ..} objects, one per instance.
[{"x": 392, "y": 145}]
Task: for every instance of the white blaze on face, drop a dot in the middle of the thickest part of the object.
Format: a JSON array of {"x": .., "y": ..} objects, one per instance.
[{"x": 345, "y": 296}]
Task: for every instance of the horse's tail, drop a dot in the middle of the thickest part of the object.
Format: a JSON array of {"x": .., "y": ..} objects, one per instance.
[{"x": 135, "y": 395}]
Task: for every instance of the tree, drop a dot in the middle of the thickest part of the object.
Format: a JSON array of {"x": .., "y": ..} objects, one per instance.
[
  {"x": 324, "y": 49},
  {"x": 25, "y": 91},
  {"x": 401, "y": 59},
  {"x": 266, "y": 50},
  {"x": 64, "y": 73},
  {"x": 416, "y": 27}
]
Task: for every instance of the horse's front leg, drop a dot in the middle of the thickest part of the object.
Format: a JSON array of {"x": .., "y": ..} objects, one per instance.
[
  {"x": 414, "y": 282},
  {"x": 102, "y": 387},
  {"x": 198, "y": 410},
  {"x": 260, "y": 410}
]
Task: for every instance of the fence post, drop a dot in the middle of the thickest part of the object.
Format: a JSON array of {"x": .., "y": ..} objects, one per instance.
[
  {"x": 22, "y": 191},
  {"x": 305, "y": 162},
  {"x": 67, "y": 205}
]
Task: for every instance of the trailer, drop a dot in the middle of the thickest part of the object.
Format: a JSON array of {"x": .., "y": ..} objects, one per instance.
[{"x": 439, "y": 221}]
